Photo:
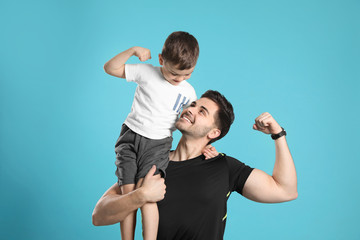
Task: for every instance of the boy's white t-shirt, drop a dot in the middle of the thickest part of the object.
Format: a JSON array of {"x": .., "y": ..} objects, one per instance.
[{"x": 157, "y": 103}]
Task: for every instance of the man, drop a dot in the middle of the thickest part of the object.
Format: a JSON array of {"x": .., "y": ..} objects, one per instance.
[{"x": 198, "y": 189}]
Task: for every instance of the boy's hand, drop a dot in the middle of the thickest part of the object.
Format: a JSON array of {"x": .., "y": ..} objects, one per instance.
[
  {"x": 266, "y": 123},
  {"x": 209, "y": 152},
  {"x": 142, "y": 53}
]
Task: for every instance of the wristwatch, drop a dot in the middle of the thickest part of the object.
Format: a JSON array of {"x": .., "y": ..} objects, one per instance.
[{"x": 280, "y": 134}]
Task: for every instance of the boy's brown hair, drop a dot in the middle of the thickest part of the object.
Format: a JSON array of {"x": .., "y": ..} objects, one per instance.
[{"x": 181, "y": 49}]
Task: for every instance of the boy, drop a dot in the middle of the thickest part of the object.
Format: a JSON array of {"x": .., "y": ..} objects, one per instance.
[{"x": 146, "y": 135}]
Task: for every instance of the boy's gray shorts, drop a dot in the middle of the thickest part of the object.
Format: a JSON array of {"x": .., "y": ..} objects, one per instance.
[{"x": 136, "y": 154}]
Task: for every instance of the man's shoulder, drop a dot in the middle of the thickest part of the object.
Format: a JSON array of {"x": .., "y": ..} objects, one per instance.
[
  {"x": 223, "y": 157},
  {"x": 227, "y": 157},
  {"x": 231, "y": 161}
]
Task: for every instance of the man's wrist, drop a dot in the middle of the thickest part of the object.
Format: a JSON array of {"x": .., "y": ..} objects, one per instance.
[
  {"x": 278, "y": 135},
  {"x": 141, "y": 196}
]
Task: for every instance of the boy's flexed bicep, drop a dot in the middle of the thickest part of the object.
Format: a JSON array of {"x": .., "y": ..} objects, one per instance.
[{"x": 116, "y": 66}]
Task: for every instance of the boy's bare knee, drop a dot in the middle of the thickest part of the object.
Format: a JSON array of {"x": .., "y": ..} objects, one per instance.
[{"x": 127, "y": 188}]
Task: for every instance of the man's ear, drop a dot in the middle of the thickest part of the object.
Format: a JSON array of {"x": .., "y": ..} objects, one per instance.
[
  {"x": 161, "y": 60},
  {"x": 214, "y": 133}
]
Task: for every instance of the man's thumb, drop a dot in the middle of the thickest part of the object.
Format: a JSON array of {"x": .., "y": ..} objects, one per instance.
[{"x": 151, "y": 172}]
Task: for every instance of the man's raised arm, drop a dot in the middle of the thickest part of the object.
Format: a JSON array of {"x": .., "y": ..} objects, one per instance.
[
  {"x": 114, "y": 207},
  {"x": 282, "y": 185}
]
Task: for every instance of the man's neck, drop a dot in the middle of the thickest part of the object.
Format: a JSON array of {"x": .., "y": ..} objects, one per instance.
[{"x": 188, "y": 149}]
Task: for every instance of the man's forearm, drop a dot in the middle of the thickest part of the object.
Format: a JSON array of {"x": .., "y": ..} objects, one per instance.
[
  {"x": 284, "y": 172},
  {"x": 114, "y": 207}
]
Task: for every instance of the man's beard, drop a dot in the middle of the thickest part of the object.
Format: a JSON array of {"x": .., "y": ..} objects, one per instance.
[{"x": 197, "y": 132}]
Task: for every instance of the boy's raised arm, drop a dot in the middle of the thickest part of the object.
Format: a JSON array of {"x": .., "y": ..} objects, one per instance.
[{"x": 116, "y": 66}]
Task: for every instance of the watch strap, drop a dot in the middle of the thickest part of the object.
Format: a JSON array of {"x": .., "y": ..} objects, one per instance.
[{"x": 280, "y": 134}]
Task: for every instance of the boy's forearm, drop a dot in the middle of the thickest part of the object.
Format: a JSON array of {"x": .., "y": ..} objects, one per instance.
[{"x": 116, "y": 65}]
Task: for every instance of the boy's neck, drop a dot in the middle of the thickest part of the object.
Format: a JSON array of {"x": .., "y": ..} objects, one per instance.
[{"x": 188, "y": 149}]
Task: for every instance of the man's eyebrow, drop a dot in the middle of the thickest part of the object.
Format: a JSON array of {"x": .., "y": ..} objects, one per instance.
[
  {"x": 207, "y": 111},
  {"x": 202, "y": 107}
]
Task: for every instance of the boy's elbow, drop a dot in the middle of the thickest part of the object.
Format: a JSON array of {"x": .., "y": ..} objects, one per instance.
[
  {"x": 120, "y": 73},
  {"x": 106, "y": 68}
]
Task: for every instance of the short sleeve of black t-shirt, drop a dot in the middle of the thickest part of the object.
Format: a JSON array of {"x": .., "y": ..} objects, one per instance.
[{"x": 239, "y": 173}]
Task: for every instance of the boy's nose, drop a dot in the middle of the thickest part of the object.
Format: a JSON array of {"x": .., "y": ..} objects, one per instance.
[{"x": 180, "y": 78}]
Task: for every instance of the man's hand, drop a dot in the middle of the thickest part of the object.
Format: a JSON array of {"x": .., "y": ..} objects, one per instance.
[
  {"x": 266, "y": 123},
  {"x": 209, "y": 152},
  {"x": 153, "y": 187},
  {"x": 142, "y": 53}
]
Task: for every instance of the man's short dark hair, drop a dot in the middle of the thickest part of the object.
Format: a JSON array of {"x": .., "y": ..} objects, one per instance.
[
  {"x": 225, "y": 116},
  {"x": 181, "y": 49}
]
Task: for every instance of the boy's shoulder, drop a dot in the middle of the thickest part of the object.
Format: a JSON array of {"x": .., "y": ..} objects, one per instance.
[
  {"x": 189, "y": 90},
  {"x": 140, "y": 66}
]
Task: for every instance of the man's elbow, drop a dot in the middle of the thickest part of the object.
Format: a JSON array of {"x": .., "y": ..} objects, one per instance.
[
  {"x": 96, "y": 219},
  {"x": 292, "y": 196}
]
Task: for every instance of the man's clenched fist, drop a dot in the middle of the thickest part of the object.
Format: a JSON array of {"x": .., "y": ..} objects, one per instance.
[{"x": 266, "y": 123}]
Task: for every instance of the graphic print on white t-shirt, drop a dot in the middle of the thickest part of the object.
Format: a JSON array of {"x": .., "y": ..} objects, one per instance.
[{"x": 177, "y": 107}]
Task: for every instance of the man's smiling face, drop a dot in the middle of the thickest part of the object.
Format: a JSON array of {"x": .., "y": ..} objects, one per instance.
[{"x": 198, "y": 120}]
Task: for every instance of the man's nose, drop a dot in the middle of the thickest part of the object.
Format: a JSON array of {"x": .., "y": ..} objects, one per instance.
[{"x": 189, "y": 110}]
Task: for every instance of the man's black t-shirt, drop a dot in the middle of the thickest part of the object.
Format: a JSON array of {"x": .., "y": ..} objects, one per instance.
[{"x": 197, "y": 190}]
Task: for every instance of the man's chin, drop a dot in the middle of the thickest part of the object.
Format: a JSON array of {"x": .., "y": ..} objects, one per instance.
[{"x": 180, "y": 127}]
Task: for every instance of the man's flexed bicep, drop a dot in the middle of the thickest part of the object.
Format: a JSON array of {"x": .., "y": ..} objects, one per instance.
[
  {"x": 116, "y": 66},
  {"x": 261, "y": 187}
]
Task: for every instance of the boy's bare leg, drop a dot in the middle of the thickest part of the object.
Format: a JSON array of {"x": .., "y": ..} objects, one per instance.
[
  {"x": 127, "y": 226},
  {"x": 150, "y": 218}
]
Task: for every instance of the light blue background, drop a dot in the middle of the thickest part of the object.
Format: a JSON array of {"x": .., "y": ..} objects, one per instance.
[{"x": 61, "y": 114}]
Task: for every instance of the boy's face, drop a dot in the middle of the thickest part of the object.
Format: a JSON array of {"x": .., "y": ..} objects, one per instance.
[{"x": 172, "y": 74}]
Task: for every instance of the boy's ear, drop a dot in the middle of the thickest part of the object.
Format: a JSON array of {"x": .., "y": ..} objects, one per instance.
[
  {"x": 161, "y": 60},
  {"x": 214, "y": 133}
]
